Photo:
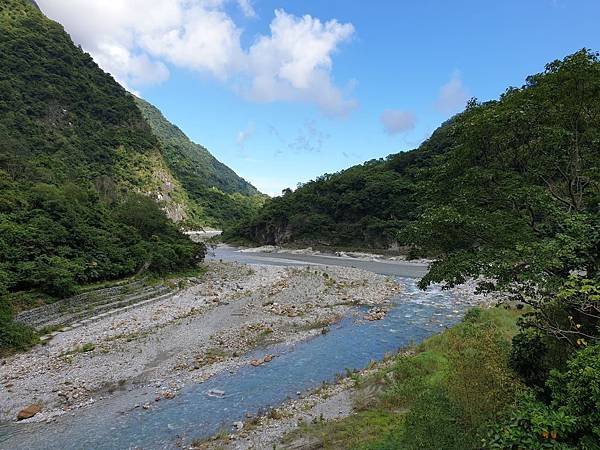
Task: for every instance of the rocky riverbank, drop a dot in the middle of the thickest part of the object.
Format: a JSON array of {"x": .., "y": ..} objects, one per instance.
[
  {"x": 204, "y": 329},
  {"x": 364, "y": 256},
  {"x": 270, "y": 430}
]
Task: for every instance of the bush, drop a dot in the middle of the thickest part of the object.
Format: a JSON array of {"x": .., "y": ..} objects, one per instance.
[
  {"x": 570, "y": 420},
  {"x": 528, "y": 357},
  {"x": 577, "y": 392},
  {"x": 14, "y": 336},
  {"x": 532, "y": 425},
  {"x": 562, "y": 323}
]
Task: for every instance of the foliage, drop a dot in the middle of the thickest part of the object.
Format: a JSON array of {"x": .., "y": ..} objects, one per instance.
[
  {"x": 570, "y": 420},
  {"x": 516, "y": 197},
  {"x": 14, "y": 336},
  {"x": 559, "y": 326}
]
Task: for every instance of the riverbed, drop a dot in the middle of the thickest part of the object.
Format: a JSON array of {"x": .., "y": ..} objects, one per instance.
[{"x": 204, "y": 407}]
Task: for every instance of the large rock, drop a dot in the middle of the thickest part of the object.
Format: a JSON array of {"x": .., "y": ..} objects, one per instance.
[{"x": 29, "y": 412}]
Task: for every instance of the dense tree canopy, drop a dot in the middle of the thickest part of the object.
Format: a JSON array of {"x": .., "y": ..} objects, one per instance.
[{"x": 517, "y": 194}]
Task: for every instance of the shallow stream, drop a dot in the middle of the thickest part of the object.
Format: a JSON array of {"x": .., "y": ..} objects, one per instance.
[{"x": 351, "y": 344}]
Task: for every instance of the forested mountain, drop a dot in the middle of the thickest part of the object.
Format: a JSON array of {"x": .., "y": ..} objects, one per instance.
[
  {"x": 75, "y": 155},
  {"x": 373, "y": 204},
  {"x": 84, "y": 182},
  {"x": 221, "y": 195}
]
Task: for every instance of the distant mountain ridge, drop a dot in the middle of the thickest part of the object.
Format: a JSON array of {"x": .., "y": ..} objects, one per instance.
[
  {"x": 198, "y": 159},
  {"x": 218, "y": 195}
]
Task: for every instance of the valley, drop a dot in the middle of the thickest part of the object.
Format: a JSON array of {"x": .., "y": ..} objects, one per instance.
[{"x": 153, "y": 296}]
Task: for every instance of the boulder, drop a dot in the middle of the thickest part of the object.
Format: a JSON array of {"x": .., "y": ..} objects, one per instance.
[
  {"x": 29, "y": 412},
  {"x": 216, "y": 393}
]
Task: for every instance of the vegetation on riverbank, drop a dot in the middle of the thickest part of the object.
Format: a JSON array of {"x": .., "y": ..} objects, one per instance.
[
  {"x": 457, "y": 391},
  {"x": 444, "y": 393}
]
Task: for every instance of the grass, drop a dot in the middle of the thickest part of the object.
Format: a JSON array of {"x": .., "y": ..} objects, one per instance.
[
  {"x": 352, "y": 432},
  {"x": 84, "y": 348},
  {"x": 443, "y": 395}
]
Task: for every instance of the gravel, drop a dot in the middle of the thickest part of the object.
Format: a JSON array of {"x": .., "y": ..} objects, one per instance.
[{"x": 202, "y": 330}]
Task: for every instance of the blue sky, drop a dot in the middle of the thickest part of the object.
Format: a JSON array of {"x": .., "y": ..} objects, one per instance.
[{"x": 283, "y": 91}]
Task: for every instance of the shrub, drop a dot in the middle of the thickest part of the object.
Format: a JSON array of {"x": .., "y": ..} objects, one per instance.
[
  {"x": 577, "y": 392},
  {"x": 570, "y": 420},
  {"x": 13, "y": 335},
  {"x": 528, "y": 357}
]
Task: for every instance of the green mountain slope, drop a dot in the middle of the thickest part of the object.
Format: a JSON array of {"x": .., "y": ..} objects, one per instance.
[
  {"x": 86, "y": 187},
  {"x": 75, "y": 157},
  {"x": 218, "y": 195},
  {"x": 191, "y": 159},
  {"x": 370, "y": 205},
  {"x": 363, "y": 206}
]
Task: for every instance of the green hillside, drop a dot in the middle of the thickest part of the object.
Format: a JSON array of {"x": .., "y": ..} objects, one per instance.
[
  {"x": 374, "y": 204},
  {"x": 75, "y": 158},
  {"x": 363, "y": 206},
  {"x": 219, "y": 196},
  {"x": 191, "y": 159}
]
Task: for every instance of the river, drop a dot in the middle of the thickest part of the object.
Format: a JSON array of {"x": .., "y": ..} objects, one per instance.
[{"x": 351, "y": 344}]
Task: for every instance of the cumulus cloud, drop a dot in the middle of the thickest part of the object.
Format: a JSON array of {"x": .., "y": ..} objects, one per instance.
[
  {"x": 295, "y": 61},
  {"x": 134, "y": 40},
  {"x": 247, "y": 8},
  {"x": 453, "y": 95},
  {"x": 131, "y": 70},
  {"x": 395, "y": 121}
]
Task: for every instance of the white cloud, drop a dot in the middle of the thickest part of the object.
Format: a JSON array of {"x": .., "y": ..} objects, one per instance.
[
  {"x": 453, "y": 96},
  {"x": 395, "y": 121},
  {"x": 135, "y": 39},
  {"x": 247, "y": 8},
  {"x": 131, "y": 70},
  {"x": 295, "y": 61},
  {"x": 245, "y": 134}
]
